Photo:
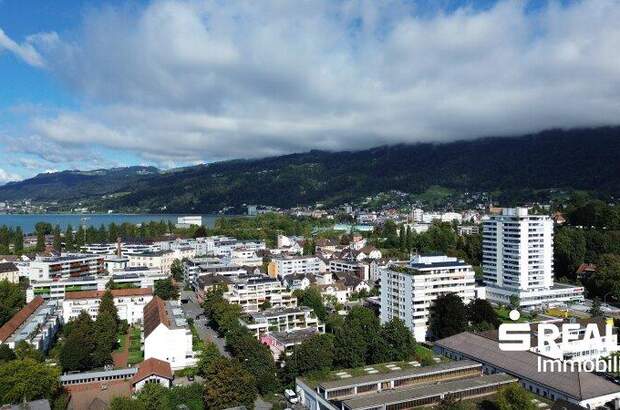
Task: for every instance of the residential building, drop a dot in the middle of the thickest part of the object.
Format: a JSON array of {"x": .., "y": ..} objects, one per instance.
[
  {"x": 297, "y": 281},
  {"x": 585, "y": 389},
  {"x": 167, "y": 335},
  {"x": 252, "y": 291},
  {"x": 281, "y": 319},
  {"x": 125, "y": 248},
  {"x": 161, "y": 260},
  {"x": 9, "y": 271},
  {"x": 282, "y": 343},
  {"x": 466, "y": 230},
  {"x": 152, "y": 371},
  {"x": 187, "y": 221},
  {"x": 408, "y": 291},
  {"x": 244, "y": 257},
  {"x": 390, "y": 387},
  {"x": 359, "y": 269},
  {"x": 36, "y": 323},
  {"x": 57, "y": 289},
  {"x": 517, "y": 259},
  {"x": 287, "y": 265},
  {"x": 65, "y": 266},
  {"x": 129, "y": 303}
]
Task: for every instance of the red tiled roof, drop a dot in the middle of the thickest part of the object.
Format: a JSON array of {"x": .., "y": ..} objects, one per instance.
[
  {"x": 154, "y": 314},
  {"x": 151, "y": 367},
  {"x": 586, "y": 267},
  {"x": 20, "y": 317},
  {"x": 97, "y": 294}
]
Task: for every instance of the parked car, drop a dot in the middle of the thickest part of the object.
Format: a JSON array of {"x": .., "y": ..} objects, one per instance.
[{"x": 291, "y": 396}]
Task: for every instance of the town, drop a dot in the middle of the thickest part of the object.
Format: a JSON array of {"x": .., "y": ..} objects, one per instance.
[{"x": 343, "y": 309}]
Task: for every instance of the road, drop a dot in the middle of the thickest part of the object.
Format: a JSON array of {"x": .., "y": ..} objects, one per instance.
[{"x": 207, "y": 334}]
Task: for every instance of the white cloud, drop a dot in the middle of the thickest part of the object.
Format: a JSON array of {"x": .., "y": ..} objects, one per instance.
[
  {"x": 25, "y": 51},
  {"x": 6, "y": 176},
  {"x": 191, "y": 80}
]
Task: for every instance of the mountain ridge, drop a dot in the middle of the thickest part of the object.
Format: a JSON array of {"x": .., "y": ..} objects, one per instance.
[{"x": 583, "y": 159}]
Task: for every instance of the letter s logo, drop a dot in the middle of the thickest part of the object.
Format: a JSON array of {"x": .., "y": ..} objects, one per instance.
[{"x": 516, "y": 334}]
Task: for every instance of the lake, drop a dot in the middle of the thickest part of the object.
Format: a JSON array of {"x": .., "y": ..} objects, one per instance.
[{"x": 28, "y": 221}]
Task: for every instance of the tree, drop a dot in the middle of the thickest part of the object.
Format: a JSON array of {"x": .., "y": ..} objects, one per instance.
[
  {"x": 154, "y": 396},
  {"x": 315, "y": 354},
  {"x": 76, "y": 351},
  {"x": 12, "y": 299},
  {"x": 480, "y": 311},
  {"x": 166, "y": 289},
  {"x": 105, "y": 338},
  {"x": 569, "y": 251},
  {"x": 397, "y": 340},
  {"x": 228, "y": 384},
  {"x": 18, "y": 241},
  {"x": 107, "y": 305},
  {"x": 448, "y": 316},
  {"x": 595, "y": 310},
  {"x": 57, "y": 242},
  {"x": 69, "y": 247},
  {"x": 312, "y": 298},
  {"x": 27, "y": 380},
  {"x": 40, "y": 246},
  {"x": 24, "y": 350},
  {"x": 350, "y": 347},
  {"x": 206, "y": 357},
  {"x": 126, "y": 403},
  {"x": 515, "y": 301},
  {"x": 176, "y": 269},
  {"x": 514, "y": 397},
  {"x": 6, "y": 353}
]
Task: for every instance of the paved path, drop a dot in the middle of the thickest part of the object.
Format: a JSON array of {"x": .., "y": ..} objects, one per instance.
[
  {"x": 120, "y": 358},
  {"x": 206, "y": 333}
]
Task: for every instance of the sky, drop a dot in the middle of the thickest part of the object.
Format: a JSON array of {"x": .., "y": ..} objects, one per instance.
[{"x": 89, "y": 84}]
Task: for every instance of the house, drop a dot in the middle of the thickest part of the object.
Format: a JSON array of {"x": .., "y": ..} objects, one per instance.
[
  {"x": 282, "y": 343},
  {"x": 9, "y": 271},
  {"x": 152, "y": 371},
  {"x": 297, "y": 281},
  {"x": 129, "y": 303},
  {"x": 167, "y": 335},
  {"x": 281, "y": 320},
  {"x": 585, "y": 270},
  {"x": 367, "y": 252}
]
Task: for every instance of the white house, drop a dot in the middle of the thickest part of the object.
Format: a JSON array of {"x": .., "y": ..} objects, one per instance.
[
  {"x": 129, "y": 303},
  {"x": 167, "y": 335},
  {"x": 152, "y": 371}
]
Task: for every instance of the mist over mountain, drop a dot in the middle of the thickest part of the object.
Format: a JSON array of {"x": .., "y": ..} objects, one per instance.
[{"x": 580, "y": 159}]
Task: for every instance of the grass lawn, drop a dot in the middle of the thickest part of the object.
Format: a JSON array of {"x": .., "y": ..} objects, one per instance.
[
  {"x": 123, "y": 338},
  {"x": 135, "y": 349},
  {"x": 503, "y": 312},
  {"x": 197, "y": 343}
]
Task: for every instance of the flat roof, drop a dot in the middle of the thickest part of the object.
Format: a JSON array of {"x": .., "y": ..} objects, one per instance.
[
  {"x": 294, "y": 336},
  {"x": 579, "y": 385},
  {"x": 427, "y": 390},
  {"x": 130, "y": 371},
  {"x": 398, "y": 374}
]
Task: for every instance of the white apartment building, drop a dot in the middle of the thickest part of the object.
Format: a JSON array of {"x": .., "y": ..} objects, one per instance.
[
  {"x": 186, "y": 221},
  {"x": 36, "y": 323},
  {"x": 57, "y": 289},
  {"x": 161, "y": 260},
  {"x": 408, "y": 291},
  {"x": 65, "y": 266},
  {"x": 129, "y": 303},
  {"x": 281, "y": 320},
  {"x": 244, "y": 257},
  {"x": 223, "y": 245},
  {"x": 253, "y": 291},
  {"x": 112, "y": 248},
  {"x": 359, "y": 269},
  {"x": 167, "y": 335},
  {"x": 287, "y": 265},
  {"x": 517, "y": 259}
]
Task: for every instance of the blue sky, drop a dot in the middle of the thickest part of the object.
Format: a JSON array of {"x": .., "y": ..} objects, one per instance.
[{"x": 178, "y": 82}]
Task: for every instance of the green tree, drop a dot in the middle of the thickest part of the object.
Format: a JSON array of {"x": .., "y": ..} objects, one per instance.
[
  {"x": 18, "y": 241},
  {"x": 40, "y": 246},
  {"x": 79, "y": 344},
  {"x": 315, "y": 354},
  {"x": 480, "y": 311},
  {"x": 206, "y": 357},
  {"x": 6, "y": 353},
  {"x": 606, "y": 279},
  {"x": 514, "y": 397},
  {"x": 397, "y": 339},
  {"x": 154, "y": 396},
  {"x": 107, "y": 305},
  {"x": 57, "y": 242},
  {"x": 12, "y": 299},
  {"x": 27, "y": 380},
  {"x": 69, "y": 244},
  {"x": 228, "y": 384},
  {"x": 166, "y": 289},
  {"x": 126, "y": 403},
  {"x": 515, "y": 301},
  {"x": 24, "y": 350},
  {"x": 176, "y": 269},
  {"x": 312, "y": 298},
  {"x": 569, "y": 251},
  {"x": 595, "y": 310},
  {"x": 105, "y": 338},
  {"x": 448, "y": 316}
]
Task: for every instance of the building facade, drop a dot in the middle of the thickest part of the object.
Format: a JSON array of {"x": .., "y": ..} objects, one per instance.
[{"x": 129, "y": 303}]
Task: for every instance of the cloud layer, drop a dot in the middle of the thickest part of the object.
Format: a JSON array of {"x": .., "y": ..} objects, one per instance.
[{"x": 180, "y": 81}]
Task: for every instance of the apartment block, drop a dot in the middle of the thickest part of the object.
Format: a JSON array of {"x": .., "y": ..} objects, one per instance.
[
  {"x": 252, "y": 291},
  {"x": 129, "y": 303},
  {"x": 281, "y": 319}
]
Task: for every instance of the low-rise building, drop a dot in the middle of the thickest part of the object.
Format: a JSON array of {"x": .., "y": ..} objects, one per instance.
[
  {"x": 408, "y": 291},
  {"x": 578, "y": 387},
  {"x": 152, "y": 371},
  {"x": 129, "y": 303},
  {"x": 282, "y": 343},
  {"x": 388, "y": 387},
  {"x": 281, "y": 319},
  {"x": 359, "y": 269},
  {"x": 252, "y": 291},
  {"x": 161, "y": 260},
  {"x": 167, "y": 335},
  {"x": 9, "y": 271},
  {"x": 36, "y": 323}
]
